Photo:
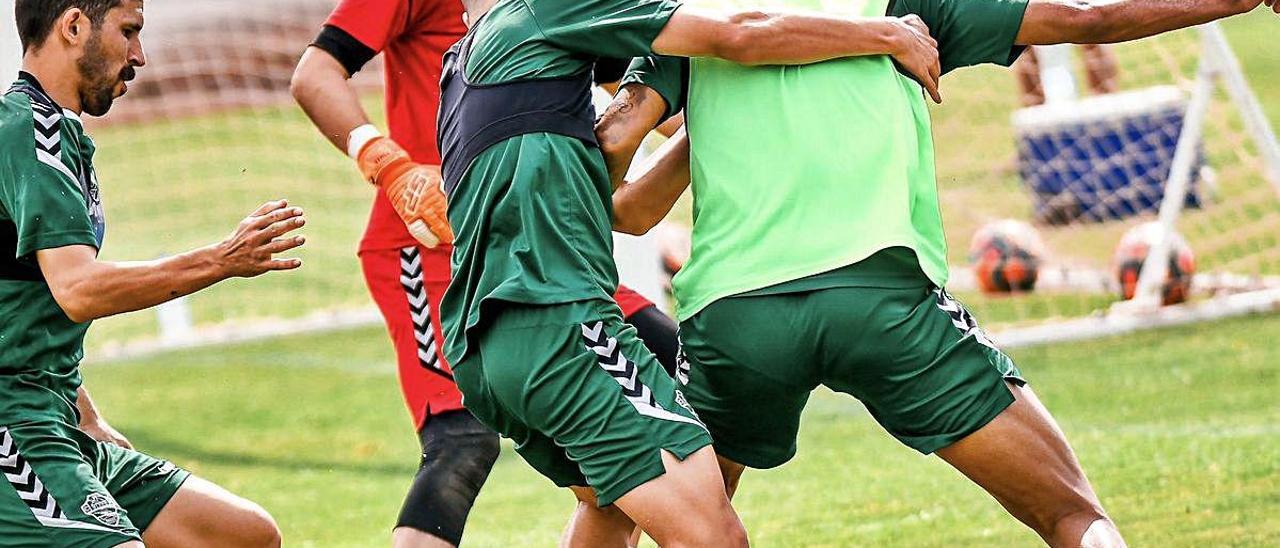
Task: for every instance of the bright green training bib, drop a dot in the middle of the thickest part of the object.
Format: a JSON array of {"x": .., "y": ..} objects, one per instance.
[{"x": 799, "y": 170}]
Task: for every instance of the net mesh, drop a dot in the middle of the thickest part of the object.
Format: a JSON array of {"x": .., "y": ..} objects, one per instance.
[
  {"x": 1084, "y": 173},
  {"x": 209, "y": 132}
]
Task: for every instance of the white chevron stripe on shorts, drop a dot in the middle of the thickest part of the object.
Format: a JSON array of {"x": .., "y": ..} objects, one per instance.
[
  {"x": 23, "y": 478},
  {"x": 961, "y": 318},
  {"x": 627, "y": 374},
  {"x": 415, "y": 291}
]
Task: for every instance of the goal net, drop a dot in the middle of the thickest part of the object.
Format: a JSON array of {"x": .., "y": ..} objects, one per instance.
[
  {"x": 1169, "y": 134},
  {"x": 209, "y": 131}
]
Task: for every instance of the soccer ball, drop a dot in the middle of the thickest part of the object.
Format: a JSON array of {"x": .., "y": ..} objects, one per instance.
[
  {"x": 1006, "y": 256},
  {"x": 1132, "y": 253}
]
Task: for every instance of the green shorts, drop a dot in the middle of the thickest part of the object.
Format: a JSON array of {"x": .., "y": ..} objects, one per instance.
[
  {"x": 65, "y": 489},
  {"x": 915, "y": 357},
  {"x": 582, "y": 398}
]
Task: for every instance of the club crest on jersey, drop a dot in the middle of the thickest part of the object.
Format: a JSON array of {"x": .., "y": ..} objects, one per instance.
[{"x": 102, "y": 508}]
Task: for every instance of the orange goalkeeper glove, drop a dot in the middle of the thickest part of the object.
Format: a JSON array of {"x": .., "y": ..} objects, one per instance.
[{"x": 413, "y": 188}]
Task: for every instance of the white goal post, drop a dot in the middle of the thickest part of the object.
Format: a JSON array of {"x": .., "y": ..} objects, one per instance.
[{"x": 1218, "y": 69}]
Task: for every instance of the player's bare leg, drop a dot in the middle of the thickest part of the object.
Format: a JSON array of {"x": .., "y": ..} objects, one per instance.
[
  {"x": 130, "y": 544},
  {"x": 408, "y": 537},
  {"x": 1023, "y": 460},
  {"x": 686, "y": 506},
  {"x": 592, "y": 526},
  {"x": 203, "y": 514},
  {"x": 732, "y": 474}
]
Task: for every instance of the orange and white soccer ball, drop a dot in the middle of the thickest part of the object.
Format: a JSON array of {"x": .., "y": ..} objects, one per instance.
[
  {"x": 1132, "y": 252},
  {"x": 1006, "y": 256}
]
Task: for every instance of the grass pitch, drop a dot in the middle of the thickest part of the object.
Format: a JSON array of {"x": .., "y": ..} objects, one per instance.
[{"x": 1178, "y": 430}]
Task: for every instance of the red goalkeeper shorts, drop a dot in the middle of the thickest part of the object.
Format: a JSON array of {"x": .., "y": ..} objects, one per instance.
[{"x": 407, "y": 284}]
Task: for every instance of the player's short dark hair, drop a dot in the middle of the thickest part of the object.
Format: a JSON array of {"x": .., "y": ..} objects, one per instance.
[{"x": 36, "y": 17}]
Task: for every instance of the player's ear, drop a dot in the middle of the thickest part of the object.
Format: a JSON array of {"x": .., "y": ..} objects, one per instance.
[{"x": 74, "y": 27}]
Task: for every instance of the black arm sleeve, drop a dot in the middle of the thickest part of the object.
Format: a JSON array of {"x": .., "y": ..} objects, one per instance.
[{"x": 351, "y": 53}]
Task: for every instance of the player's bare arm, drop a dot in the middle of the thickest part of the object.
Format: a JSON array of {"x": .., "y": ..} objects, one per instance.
[
  {"x": 87, "y": 288},
  {"x": 634, "y": 112},
  {"x": 320, "y": 86},
  {"x": 642, "y": 203},
  {"x": 759, "y": 38},
  {"x": 1110, "y": 21}
]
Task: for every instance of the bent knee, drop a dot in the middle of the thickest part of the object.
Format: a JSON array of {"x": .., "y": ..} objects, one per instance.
[
  {"x": 257, "y": 529},
  {"x": 1077, "y": 525},
  {"x": 724, "y": 537}
]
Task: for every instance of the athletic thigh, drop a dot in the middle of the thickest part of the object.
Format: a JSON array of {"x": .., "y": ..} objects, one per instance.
[
  {"x": 753, "y": 361},
  {"x": 917, "y": 359},
  {"x": 1023, "y": 460},
  {"x": 52, "y": 495},
  {"x": 201, "y": 513},
  {"x": 586, "y": 392}
]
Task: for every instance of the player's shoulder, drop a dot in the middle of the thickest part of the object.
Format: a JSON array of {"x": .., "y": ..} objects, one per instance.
[{"x": 17, "y": 117}]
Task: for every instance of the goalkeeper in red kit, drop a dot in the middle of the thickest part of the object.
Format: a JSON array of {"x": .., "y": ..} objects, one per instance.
[{"x": 405, "y": 250}]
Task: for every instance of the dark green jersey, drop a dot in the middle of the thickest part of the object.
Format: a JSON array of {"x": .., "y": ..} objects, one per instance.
[
  {"x": 532, "y": 213},
  {"x": 48, "y": 199}
]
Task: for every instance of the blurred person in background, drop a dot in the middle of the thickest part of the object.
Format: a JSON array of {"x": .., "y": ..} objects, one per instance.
[
  {"x": 1101, "y": 71},
  {"x": 69, "y": 478},
  {"x": 407, "y": 268}
]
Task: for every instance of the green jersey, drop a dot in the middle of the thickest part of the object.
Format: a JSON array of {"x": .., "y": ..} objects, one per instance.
[
  {"x": 48, "y": 199},
  {"x": 804, "y": 170},
  {"x": 532, "y": 214}
]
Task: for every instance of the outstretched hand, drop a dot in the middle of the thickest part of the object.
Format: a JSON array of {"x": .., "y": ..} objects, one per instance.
[
  {"x": 917, "y": 53},
  {"x": 250, "y": 250}
]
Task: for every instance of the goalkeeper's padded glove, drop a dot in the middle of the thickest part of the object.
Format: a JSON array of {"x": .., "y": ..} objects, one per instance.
[{"x": 414, "y": 189}]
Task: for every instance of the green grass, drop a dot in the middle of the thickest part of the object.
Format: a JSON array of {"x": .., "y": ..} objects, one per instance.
[{"x": 1177, "y": 429}]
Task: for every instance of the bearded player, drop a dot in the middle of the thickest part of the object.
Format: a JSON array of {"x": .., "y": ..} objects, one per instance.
[
  {"x": 822, "y": 262},
  {"x": 406, "y": 265},
  {"x": 65, "y": 481}
]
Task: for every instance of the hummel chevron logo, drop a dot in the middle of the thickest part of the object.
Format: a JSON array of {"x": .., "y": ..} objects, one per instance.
[
  {"x": 961, "y": 318},
  {"x": 627, "y": 374},
  {"x": 415, "y": 293},
  {"x": 24, "y": 480}
]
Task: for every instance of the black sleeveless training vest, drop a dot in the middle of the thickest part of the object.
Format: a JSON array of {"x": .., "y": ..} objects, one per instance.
[{"x": 475, "y": 117}]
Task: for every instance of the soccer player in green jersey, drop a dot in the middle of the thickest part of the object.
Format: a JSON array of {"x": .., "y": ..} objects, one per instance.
[
  {"x": 539, "y": 351},
  {"x": 819, "y": 257},
  {"x": 67, "y": 479}
]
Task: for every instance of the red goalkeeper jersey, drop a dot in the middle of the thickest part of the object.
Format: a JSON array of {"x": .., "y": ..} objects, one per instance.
[{"x": 413, "y": 35}]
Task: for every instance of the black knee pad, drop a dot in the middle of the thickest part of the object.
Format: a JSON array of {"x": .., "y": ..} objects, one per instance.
[
  {"x": 659, "y": 335},
  {"x": 457, "y": 454}
]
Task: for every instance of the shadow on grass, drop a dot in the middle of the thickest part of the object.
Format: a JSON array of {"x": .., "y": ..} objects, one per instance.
[{"x": 181, "y": 451}]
